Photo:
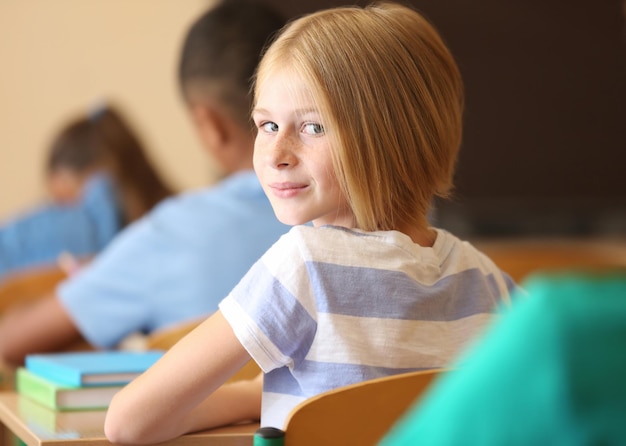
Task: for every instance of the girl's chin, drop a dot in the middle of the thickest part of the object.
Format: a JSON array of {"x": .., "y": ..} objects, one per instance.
[{"x": 291, "y": 220}]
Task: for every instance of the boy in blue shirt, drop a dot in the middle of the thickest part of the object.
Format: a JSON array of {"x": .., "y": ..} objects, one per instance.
[{"x": 178, "y": 262}]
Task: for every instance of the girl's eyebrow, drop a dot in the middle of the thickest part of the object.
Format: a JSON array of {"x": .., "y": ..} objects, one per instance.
[
  {"x": 307, "y": 111},
  {"x": 259, "y": 110},
  {"x": 299, "y": 111}
]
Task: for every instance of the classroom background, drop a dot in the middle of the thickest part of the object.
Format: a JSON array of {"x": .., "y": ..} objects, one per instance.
[
  {"x": 543, "y": 149},
  {"x": 60, "y": 58}
]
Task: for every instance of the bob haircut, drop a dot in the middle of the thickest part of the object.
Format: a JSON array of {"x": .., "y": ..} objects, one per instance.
[{"x": 390, "y": 97}]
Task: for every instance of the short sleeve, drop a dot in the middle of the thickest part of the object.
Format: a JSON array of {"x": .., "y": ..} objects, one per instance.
[{"x": 272, "y": 309}]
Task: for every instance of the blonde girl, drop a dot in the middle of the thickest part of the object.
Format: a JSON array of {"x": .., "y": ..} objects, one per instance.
[{"x": 358, "y": 113}]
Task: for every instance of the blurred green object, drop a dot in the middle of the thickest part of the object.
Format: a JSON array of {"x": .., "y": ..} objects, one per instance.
[
  {"x": 269, "y": 436},
  {"x": 551, "y": 371}
]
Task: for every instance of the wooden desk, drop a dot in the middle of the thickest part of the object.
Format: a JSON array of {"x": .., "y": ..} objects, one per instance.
[{"x": 36, "y": 425}]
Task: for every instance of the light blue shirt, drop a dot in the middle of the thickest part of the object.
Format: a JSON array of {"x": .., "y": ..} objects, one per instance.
[
  {"x": 83, "y": 229},
  {"x": 175, "y": 264}
]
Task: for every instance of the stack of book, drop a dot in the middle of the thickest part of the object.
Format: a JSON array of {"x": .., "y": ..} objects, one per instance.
[{"x": 80, "y": 380}]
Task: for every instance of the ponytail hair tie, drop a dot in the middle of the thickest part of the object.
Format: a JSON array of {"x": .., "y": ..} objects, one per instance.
[{"x": 96, "y": 111}]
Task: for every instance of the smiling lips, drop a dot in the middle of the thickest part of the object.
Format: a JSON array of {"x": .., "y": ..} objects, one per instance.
[{"x": 287, "y": 190}]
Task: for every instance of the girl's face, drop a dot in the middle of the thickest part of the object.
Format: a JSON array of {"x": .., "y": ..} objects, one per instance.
[
  {"x": 65, "y": 185},
  {"x": 292, "y": 155}
]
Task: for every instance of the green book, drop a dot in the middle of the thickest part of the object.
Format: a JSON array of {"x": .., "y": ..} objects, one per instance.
[
  {"x": 63, "y": 397},
  {"x": 65, "y": 424}
]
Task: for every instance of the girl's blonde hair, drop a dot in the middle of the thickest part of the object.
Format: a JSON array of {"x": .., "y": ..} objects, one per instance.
[{"x": 391, "y": 99}]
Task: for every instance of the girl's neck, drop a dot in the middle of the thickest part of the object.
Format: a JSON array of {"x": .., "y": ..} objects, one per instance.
[{"x": 422, "y": 235}]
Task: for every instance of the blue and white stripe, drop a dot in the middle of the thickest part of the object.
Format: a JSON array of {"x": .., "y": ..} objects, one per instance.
[{"x": 326, "y": 307}]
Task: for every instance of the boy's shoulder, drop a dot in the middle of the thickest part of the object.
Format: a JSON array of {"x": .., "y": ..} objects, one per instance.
[{"x": 207, "y": 201}]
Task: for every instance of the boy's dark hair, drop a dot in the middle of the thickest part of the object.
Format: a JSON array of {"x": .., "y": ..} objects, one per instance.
[{"x": 221, "y": 51}]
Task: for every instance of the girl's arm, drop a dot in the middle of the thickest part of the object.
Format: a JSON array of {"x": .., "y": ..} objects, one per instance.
[{"x": 181, "y": 393}]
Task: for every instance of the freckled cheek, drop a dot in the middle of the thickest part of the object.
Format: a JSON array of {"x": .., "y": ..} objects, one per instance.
[
  {"x": 255, "y": 161},
  {"x": 258, "y": 157}
]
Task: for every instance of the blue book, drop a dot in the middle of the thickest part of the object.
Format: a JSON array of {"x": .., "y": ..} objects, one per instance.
[{"x": 91, "y": 368}]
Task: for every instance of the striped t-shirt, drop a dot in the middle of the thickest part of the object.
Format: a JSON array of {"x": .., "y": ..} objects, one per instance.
[{"x": 327, "y": 307}]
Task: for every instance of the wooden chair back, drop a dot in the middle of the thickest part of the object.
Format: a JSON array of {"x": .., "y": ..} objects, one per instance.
[
  {"x": 359, "y": 414},
  {"x": 23, "y": 286},
  {"x": 28, "y": 285},
  {"x": 166, "y": 338}
]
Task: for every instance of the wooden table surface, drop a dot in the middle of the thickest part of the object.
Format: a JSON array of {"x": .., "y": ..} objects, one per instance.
[{"x": 37, "y": 425}]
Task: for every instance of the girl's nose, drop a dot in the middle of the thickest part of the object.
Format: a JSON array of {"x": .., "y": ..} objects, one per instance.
[{"x": 281, "y": 153}]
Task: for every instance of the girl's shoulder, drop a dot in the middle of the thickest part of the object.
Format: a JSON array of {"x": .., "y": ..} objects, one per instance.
[
  {"x": 335, "y": 244},
  {"x": 309, "y": 243},
  {"x": 325, "y": 236}
]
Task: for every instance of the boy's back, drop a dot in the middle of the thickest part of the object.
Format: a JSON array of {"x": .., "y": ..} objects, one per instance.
[
  {"x": 179, "y": 261},
  {"x": 174, "y": 265}
]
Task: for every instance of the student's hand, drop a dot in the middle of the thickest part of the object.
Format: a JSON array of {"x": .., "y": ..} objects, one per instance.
[{"x": 69, "y": 264}]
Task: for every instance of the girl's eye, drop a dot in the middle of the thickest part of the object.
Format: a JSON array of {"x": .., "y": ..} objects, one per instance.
[
  {"x": 313, "y": 129},
  {"x": 269, "y": 127}
]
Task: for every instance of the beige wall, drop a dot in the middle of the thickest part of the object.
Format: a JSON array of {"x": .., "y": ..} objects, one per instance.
[{"x": 59, "y": 57}]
